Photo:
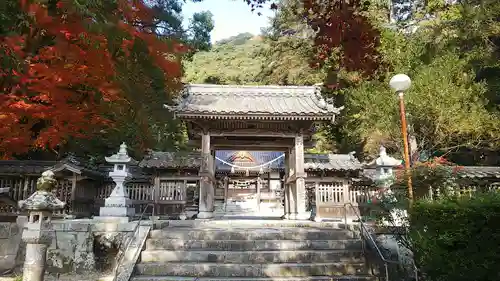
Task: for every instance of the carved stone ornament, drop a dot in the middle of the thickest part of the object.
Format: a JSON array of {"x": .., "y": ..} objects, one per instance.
[
  {"x": 120, "y": 157},
  {"x": 43, "y": 199},
  {"x": 46, "y": 182}
]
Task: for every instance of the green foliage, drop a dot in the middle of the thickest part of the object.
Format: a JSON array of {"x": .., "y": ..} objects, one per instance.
[
  {"x": 290, "y": 42},
  {"x": 453, "y": 60},
  {"x": 279, "y": 57},
  {"x": 454, "y": 98},
  {"x": 457, "y": 238},
  {"x": 236, "y": 60},
  {"x": 433, "y": 179},
  {"x": 200, "y": 27},
  {"x": 446, "y": 106}
]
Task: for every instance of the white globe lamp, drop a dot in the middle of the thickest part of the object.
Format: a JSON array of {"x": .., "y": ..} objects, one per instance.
[{"x": 400, "y": 83}]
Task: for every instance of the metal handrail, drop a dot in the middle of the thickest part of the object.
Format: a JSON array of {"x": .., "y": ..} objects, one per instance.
[
  {"x": 379, "y": 252},
  {"x": 129, "y": 241}
]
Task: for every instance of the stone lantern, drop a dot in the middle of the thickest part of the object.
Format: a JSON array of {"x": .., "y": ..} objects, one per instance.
[
  {"x": 38, "y": 233},
  {"x": 118, "y": 205},
  {"x": 384, "y": 168},
  {"x": 384, "y": 178}
]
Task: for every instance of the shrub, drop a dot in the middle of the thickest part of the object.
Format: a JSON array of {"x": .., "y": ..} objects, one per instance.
[
  {"x": 436, "y": 176},
  {"x": 455, "y": 239}
]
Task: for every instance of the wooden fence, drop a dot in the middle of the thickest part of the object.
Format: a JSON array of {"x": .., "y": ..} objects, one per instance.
[
  {"x": 78, "y": 197},
  {"x": 169, "y": 200},
  {"x": 329, "y": 195},
  {"x": 174, "y": 196}
]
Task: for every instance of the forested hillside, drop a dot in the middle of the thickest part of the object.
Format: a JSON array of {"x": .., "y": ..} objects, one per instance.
[
  {"x": 236, "y": 60},
  {"x": 451, "y": 53}
]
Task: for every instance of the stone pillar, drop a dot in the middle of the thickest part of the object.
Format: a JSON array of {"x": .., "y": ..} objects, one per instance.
[
  {"x": 38, "y": 233},
  {"x": 207, "y": 196},
  {"x": 300, "y": 182},
  {"x": 292, "y": 195},
  {"x": 118, "y": 205},
  {"x": 286, "y": 196},
  {"x": 226, "y": 191},
  {"x": 259, "y": 187}
]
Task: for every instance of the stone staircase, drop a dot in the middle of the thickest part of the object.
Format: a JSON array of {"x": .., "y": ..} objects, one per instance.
[{"x": 260, "y": 251}]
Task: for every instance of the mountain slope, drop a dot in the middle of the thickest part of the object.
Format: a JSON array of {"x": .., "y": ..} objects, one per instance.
[{"x": 236, "y": 60}]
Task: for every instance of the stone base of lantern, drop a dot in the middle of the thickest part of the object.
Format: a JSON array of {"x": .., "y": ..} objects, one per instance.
[{"x": 116, "y": 209}]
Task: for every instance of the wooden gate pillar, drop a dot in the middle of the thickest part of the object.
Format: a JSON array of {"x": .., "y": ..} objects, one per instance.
[
  {"x": 300, "y": 182},
  {"x": 286, "y": 186},
  {"x": 292, "y": 195},
  {"x": 206, "y": 196}
]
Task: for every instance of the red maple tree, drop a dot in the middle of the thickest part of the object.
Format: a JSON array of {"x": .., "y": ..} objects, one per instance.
[
  {"x": 62, "y": 72},
  {"x": 342, "y": 26}
]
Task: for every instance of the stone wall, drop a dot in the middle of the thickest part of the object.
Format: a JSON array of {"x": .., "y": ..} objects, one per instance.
[
  {"x": 10, "y": 240},
  {"x": 79, "y": 246}
]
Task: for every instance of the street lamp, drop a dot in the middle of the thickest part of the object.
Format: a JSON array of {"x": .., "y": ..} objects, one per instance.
[{"x": 400, "y": 83}]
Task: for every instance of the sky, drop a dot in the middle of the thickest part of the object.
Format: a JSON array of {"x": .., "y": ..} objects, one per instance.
[{"x": 231, "y": 17}]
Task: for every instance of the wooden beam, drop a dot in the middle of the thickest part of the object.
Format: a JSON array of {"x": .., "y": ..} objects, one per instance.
[
  {"x": 246, "y": 133},
  {"x": 221, "y": 144}
]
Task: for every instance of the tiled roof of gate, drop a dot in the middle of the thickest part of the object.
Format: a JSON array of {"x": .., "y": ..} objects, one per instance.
[
  {"x": 479, "y": 172},
  {"x": 36, "y": 167},
  {"x": 192, "y": 160},
  {"x": 254, "y": 102},
  {"x": 331, "y": 162},
  {"x": 25, "y": 167}
]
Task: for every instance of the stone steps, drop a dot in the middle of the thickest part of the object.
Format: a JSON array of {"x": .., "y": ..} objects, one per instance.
[
  {"x": 245, "y": 245},
  {"x": 251, "y": 270},
  {"x": 256, "y": 223},
  {"x": 247, "y": 250},
  {"x": 309, "y": 278},
  {"x": 255, "y": 234},
  {"x": 254, "y": 257}
]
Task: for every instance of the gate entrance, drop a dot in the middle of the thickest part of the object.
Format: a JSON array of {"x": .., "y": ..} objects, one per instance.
[
  {"x": 273, "y": 118},
  {"x": 252, "y": 184},
  {"x": 241, "y": 197}
]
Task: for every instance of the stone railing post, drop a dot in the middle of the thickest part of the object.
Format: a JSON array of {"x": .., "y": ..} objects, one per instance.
[{"x": 38, "y": 232}]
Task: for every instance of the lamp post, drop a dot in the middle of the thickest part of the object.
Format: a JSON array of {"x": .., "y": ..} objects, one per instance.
[{"x": 400, "y": 83}]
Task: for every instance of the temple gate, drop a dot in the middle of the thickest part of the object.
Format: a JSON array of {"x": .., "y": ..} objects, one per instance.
[{"x": 275, "y": 118}]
